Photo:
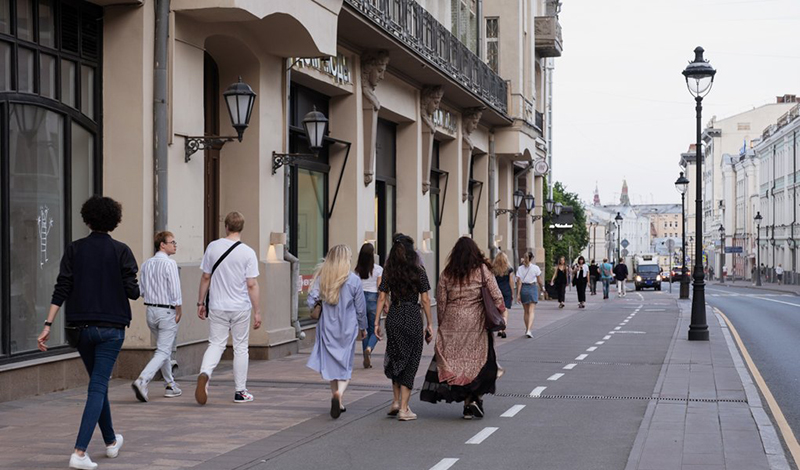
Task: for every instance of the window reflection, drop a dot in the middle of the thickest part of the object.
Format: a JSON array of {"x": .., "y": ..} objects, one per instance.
[
  {"x": 26, "y": 57},
  {"x": 310, "y": 228},
  {"x": 47, "y": 76},
  {"x": 46, "y": 24},
  {"x": 87, "y": 91},
  {"x": 36, "y": 229},
  {"x": 68, "y": 83}
]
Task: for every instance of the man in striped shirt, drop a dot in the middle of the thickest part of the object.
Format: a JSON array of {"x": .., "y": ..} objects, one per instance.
[{"x": 161, "y": 290}]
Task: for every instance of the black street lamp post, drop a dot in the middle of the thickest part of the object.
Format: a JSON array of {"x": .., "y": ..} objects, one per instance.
[
  {"x": 699, "y": 76},
  {"x": 758, "y": 219},
  {"x": 722, "y": 253},
  {"x": 682, "y": 185},
  {"x": 618, "y": 221}
]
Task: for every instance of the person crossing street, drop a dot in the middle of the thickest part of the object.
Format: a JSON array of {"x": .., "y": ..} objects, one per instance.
[{"x": 621, "y": 275}]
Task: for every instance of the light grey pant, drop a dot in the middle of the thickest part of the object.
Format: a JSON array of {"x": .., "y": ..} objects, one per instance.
[
  {"x": 162, "y": 323},
  {"x": 220, "y": 324}
]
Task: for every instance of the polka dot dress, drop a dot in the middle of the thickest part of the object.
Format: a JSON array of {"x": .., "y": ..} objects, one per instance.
[{"x": 404, "y": 334}]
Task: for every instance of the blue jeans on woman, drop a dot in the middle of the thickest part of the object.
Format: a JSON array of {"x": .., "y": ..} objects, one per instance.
[
  {"x": 99, "y": 348},
  {"x": 372, "y": 305}
]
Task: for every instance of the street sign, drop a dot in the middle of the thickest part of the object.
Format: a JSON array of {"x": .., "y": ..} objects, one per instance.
[
  {"x": 624, "y": 253},
  {"x": 671, "y": 245},
  {"x": 734, "y": 249},
  {"x": 625, "y": 243}
]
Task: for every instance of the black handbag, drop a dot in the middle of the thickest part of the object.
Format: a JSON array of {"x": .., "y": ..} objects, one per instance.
[
  {"x": 73, "y": 334},
  {"x": 493, "y": 318}
]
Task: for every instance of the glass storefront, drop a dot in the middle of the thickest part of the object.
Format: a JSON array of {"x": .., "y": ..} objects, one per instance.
[
  {"x": 308, "y": 205},
  {"x": 385, "y": 187},
  {"x": 49, "y": 156}
]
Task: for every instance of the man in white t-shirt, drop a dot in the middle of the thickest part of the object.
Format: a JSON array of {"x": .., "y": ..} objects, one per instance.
[{"x": 232, "y": 293}]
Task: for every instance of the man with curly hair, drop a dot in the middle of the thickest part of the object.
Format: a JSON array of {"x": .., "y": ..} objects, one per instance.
[{"x": 97, "y": 279}]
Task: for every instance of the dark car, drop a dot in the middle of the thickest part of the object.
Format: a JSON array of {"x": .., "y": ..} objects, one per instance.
[
  {"x": 677, "y": 274},
  {"x": 647, "y": 275}
]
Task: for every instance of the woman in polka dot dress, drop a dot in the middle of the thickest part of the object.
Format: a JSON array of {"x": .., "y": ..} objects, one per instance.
[{"x": 405, "y": 280}]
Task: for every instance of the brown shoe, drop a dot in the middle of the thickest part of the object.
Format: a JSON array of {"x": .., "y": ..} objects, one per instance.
[
  {"x": 201, "y": 392},
  {"x": 407, "y": 415},
  {"x": 367, "y": 358}
]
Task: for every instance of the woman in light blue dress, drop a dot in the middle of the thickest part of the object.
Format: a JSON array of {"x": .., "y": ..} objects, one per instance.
[{"x": 343, "y": 320}]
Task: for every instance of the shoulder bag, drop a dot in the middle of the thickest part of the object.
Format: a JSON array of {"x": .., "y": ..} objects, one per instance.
[
  {"x": 224, "y": 255},
  {"x": 493, "y": 318},
  {"x": 316, "y": 312}
]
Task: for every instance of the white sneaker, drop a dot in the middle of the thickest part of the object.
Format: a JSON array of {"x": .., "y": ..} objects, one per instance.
[
  {"x": 173, "y": 391},
  {"x": 529, "y": 334},
  {"x": 140, "y": 390},
  {"x": 81, "y": 463},
  {"x": 113, "y": 451}
]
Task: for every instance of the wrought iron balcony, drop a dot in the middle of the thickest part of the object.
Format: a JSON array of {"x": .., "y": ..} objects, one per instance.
[
  {"x": 548, "y": 36},
  {"x": 412, "y": 25}
]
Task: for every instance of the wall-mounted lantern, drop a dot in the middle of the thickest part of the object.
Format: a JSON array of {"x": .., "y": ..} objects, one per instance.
[{"x": 314, "y": 125}]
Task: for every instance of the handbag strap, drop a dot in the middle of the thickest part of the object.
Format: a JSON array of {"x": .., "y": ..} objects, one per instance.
[{"x": 224, "y": 255}]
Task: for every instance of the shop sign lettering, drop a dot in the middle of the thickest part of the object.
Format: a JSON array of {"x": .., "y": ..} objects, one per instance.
[{"x": 336, "y": 67}]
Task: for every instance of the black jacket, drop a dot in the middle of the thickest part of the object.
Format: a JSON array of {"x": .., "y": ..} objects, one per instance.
[
  {"x": 97, "y": 277},
  {"x": 621, "y": 271}
]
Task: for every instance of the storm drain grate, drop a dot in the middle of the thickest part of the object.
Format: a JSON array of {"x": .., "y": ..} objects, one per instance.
[{"x": 617, "y": 397}]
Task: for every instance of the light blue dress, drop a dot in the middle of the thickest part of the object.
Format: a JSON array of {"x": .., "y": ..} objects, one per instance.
[{"x": 337, "y": 330}]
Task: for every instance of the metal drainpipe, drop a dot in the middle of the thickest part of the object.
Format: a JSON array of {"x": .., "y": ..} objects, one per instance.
[
  {"x": 160, "y": 156},
  {"x": 772, "y": 242},
  {"x": 287, "y": 256},
  {"x": 479, "y": 19},
  {"x": 492, "y": 195},
  {"x": 794, "y": 207}
]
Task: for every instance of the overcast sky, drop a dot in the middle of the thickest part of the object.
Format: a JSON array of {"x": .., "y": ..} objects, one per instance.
[{"x": 620, "y": 103}]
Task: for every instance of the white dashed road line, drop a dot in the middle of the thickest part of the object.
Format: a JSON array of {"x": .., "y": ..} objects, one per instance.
[
  {"x": 592, "y": 349},
  {"x": 537, "y": 392},
  {"x": 600, "y": 342},
  {"x": 444, "y": 464},
  {"x": 512, "y": 411},
  {"x": 556, "y": 376},
  {"x": 607, "y": 337},
  {"x": 481, "y": 436},
  {"x": 570, "y": 366},
  {"x": 617, "y": 328},
  {"x": 581, "y": 357}
]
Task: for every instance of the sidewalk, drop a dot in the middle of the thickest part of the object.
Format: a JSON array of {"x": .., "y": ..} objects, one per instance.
[
  {"x": 765, "y": 286},
  {"x": 708, "y": 414}
]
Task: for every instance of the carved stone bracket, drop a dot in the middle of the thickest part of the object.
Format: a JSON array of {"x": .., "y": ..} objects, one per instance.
[
  {"x": 469, "y": 122},
  {"x": 430, "y": 98},
  {"x": 373, "y": 68}
]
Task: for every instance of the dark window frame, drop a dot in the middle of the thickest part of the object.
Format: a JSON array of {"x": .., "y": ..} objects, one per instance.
[{"x": 69, "y": 114}]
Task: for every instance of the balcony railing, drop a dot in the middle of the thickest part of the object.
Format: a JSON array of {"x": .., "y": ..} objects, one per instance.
[{"x": 412, "y": 25}]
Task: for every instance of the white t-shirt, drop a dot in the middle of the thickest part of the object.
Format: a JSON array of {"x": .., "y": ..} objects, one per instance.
[
  {"x": 228, "y": 289},
  {"x": 371, "y": 283},
  {"x": 528, "y": 275},
  {"x": 779, "y": 270}
]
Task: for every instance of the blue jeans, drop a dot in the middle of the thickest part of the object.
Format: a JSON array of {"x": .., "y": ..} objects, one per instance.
[
  {"x": 606, "y": 282},
  {"x": 99, "y": 348},
  {"x": 372, "y": 305}
]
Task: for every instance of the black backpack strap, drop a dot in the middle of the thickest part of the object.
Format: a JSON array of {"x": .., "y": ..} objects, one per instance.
[{"x": 214, "y": 268}]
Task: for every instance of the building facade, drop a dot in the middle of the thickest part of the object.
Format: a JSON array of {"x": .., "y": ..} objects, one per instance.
[{"x": 435, "y": 116}]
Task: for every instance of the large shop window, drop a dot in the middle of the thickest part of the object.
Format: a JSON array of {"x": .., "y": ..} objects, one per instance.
[
  {"x": 385, "y": 187},
  {"x": 50, "y": 114},
  {"x": 308, "y": 217}
]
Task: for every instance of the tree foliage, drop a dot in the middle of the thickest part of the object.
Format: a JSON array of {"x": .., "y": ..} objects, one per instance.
[{"x": 576, "y": 238}]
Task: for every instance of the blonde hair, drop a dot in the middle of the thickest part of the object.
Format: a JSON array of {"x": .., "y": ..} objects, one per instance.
[
  {"x": 234, "y": 222},
  {"x": 500, "y": 264},
  {"x": 333, "y": 273}
]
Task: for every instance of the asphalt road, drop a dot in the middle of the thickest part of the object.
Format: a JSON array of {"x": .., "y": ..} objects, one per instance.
[
  {"x": 769, "y": 325},
  {"x": 567, "y": 428}
]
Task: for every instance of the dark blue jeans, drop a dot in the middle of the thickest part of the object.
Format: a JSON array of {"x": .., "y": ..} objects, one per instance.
[
  {"x": 372, "y": 305},
  {"x": 99, "y": 348}
]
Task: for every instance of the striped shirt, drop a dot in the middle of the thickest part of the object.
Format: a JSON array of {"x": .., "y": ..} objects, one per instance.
[{"x": 159, "y": 282}]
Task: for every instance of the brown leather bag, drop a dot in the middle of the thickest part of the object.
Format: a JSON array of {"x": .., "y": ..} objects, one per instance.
[
  {"x": 317, "y": 310},
  {"x": 493, "y": 318}
]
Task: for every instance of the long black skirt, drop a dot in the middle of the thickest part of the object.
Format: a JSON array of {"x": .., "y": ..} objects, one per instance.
[{"x": 434, "y": 391}]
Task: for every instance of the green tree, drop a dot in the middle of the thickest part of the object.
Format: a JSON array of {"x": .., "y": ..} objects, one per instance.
[{"x": 576, "y": 238}]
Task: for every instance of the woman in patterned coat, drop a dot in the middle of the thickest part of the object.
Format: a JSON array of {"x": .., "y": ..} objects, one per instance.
[{"x": 464, "y": 367}]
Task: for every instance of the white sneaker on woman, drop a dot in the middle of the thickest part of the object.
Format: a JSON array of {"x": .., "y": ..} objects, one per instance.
[
  {"x": 81, "y": 463},
  {"x": 113, "y": 451}
]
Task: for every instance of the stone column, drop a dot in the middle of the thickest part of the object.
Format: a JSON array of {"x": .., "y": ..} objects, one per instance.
[
  {"x": 429, "y": 102},
  {"x": 373, "y": 68}
]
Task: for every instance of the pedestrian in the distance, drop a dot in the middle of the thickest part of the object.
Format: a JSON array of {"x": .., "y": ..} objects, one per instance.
[
  {"x": 464, "y": 367},
  {"x": 581, "y": 276},
  {"x": 606, "y": 274},
  {"x": 407, "y": 283},
  {"x": 529, "y": 279},
  {"x": 97, "y": 278},
  {"x": 594, "y": 276},
  {"x": 342, "y": 321},
  {"x": 370, "y": 275},
  {"x": 560, "y": 280},
  {"x": 230, "y": 278},
  {"x": 779, "y": 273},
  {"x": 504, "y": 276},
  {"x": 161, "y": 290},
  {"x": 621, "y": 275}
]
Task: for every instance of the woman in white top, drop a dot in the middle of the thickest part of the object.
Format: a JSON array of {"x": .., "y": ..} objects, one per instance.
[
  {"x": 529, "y": 278},
  {"x": 370, "y": 274}
]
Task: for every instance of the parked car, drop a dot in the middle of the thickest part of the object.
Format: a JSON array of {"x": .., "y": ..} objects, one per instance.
[{"x": 677, "y": 274}]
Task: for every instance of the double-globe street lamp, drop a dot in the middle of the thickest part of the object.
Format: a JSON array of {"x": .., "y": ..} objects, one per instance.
[
  {"x": 530, "y": 203},
  {"x": 758, "y": 219},
  {"x": 618, "y": 222},
  {"x": 682, "y": 185},
  {"x": 699, "y": 76},
  {"x": 721, "y": 253}
]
